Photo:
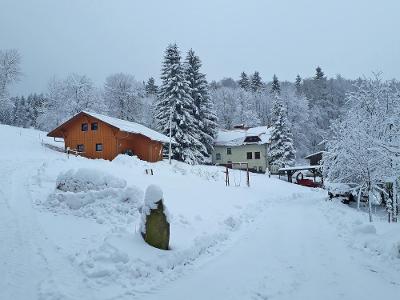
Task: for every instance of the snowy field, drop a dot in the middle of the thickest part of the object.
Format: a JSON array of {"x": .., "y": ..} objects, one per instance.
[{"x": 274, "y": 240}]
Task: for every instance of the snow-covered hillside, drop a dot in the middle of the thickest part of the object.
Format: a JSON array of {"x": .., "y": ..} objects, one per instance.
[{"x": 272, "y": 240}]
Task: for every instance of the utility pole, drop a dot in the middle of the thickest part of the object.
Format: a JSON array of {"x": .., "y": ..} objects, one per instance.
[{"x": 170, "y": 137}]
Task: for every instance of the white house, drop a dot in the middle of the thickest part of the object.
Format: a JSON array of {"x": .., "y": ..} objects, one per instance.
[{"x": 243, "y": 144}]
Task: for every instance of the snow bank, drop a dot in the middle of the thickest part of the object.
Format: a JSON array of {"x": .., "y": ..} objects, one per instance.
[
  {"x": 114, "y": 263},
  {"x": 209, "y": 173},
  {"x": 93, "y": 194},
  {"x": 365, "y": 229},
  {"x": 82, "y": 180},
  {"x": 379, "y": 238}
]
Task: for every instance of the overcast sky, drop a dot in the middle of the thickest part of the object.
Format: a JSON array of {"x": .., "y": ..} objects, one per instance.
[{"x": 97, "y": 38}]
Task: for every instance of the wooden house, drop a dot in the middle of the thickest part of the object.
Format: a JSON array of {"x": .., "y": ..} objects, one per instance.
[{"x": 98, "y": 136}]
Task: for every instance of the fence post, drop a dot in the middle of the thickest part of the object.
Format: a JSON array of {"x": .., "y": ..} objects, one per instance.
[
  {"x": 227, "y": 176},
  {"x": 248, "y": 176}
]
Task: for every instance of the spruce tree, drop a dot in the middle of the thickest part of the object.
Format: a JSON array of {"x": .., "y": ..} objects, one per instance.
[
  {"x": 175, "y": 103},
  {"x": 298, "y": 85},
  {"x": 206, "y": 120},
  {"x": 256, "y": 82},
  {"x": 150, "y": 87},
  {"x": 244, "y": 81},
  {"x": 319, "y": 74},
  {"x": 275, "y": 86},
  {"x": 320, "y": 97},
  {"x": 281, "y": 151}
]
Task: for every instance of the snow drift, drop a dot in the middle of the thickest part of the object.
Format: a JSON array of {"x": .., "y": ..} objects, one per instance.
[{"x": 95, "y": 194}]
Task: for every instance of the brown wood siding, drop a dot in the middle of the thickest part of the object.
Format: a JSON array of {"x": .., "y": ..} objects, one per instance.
[
  {"x": 105, "y": 134},
  {"x": 142, "y": 146}
]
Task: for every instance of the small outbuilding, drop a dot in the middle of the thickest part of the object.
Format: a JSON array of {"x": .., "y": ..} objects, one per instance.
[
  {"x": 315, "y": 158},
  {"x": 94, "y": 135}
]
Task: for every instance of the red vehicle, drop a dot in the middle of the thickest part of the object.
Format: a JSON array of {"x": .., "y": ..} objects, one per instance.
[{"x": 306, "y": 182}]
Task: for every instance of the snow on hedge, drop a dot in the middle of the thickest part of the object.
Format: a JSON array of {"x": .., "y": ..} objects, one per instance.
[{"x": 94, "y": 194}]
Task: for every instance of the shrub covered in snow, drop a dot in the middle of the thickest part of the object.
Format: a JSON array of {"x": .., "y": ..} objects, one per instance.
[
  {"x": 93, "y": 194},
  {"x": 82, "y": 180}
]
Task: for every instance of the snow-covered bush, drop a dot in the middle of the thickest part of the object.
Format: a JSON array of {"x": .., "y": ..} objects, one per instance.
[
  {"x": 92, "y": 194},
  {"x": 82, "y": 180}
]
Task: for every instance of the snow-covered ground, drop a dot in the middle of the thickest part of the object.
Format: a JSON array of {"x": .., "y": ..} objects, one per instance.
[{"x": 272, "y": 240}]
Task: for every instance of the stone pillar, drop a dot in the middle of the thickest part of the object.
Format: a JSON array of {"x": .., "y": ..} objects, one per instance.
[{"x": 156, "y": 228}]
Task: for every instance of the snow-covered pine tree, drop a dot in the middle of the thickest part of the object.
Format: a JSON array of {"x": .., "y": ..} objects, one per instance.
[
  {"x": 275, "y": 86},
  {"x": 36, "y": 103},
  {"x": 281, "y": 151},
  {"x": 151, "y": 87},
  {"x": 297, "y": 84},
  {"x": 244, "y": 81},
  {"x": 206, "y": 120},
  {"x": 256, "y": 82},
  {"x": 19, "y": 112},
  {"x": 319, "y": 74},
  {"x": 175, "y": 103}
]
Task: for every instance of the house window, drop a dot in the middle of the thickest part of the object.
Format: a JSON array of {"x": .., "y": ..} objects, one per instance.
[
  {"x": 252, "y": 139},
  {"x": 228, "y": 151},
  {"x": 218, "y": 156},
  {"x": 99, "y": 147},
  {"x": 249, "y": 155},
  {"x": 84, "y": 126},
  {"x": 94, "y": 126},
  {"x": 80, "y": 148},
  {"x": 257, "y": 155},
  {"x": 260, "y": 169}
]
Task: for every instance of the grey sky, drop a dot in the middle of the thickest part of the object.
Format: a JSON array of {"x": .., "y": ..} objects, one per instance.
[{"x": 97, "y": 38}]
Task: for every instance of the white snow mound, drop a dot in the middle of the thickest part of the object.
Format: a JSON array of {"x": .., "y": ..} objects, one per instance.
[
  {"x": 87, "y": 179},
  {"x": 96, "y": 195},
  {"x": 153, "y": 195}
]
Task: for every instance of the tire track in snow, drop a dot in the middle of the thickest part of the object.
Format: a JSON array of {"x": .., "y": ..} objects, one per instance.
[
  {"x": 30, "y": 264},
  {"x": 19, "y": 263}
]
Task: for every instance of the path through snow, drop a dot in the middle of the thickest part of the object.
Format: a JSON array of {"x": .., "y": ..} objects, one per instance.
[{"x": 291, "y": 251}]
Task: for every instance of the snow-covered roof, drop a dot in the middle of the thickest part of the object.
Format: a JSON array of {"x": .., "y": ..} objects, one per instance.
[
  {"x": 237, "y": 137},
  {"x": 300, "y": 168},
  {"x": 130, "y": 127},
  {"x": 123, "y": 125},
  {"x": 313, "y": 154}
]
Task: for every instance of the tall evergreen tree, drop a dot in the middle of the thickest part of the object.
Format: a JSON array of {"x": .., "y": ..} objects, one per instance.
[
  {"x": 244, "y": 81},
  {"x": 282, "y": 152},
  {"x": 206, "y": 120},
  {"x": 297, "y": 84},
  {"x": 151, "y": 87},
  {"x": 275, "y": 86},
  {"x": 319, "y": 74},
  {"x": 256, "y": 82},
  {"x": 175, "y": 109}
]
